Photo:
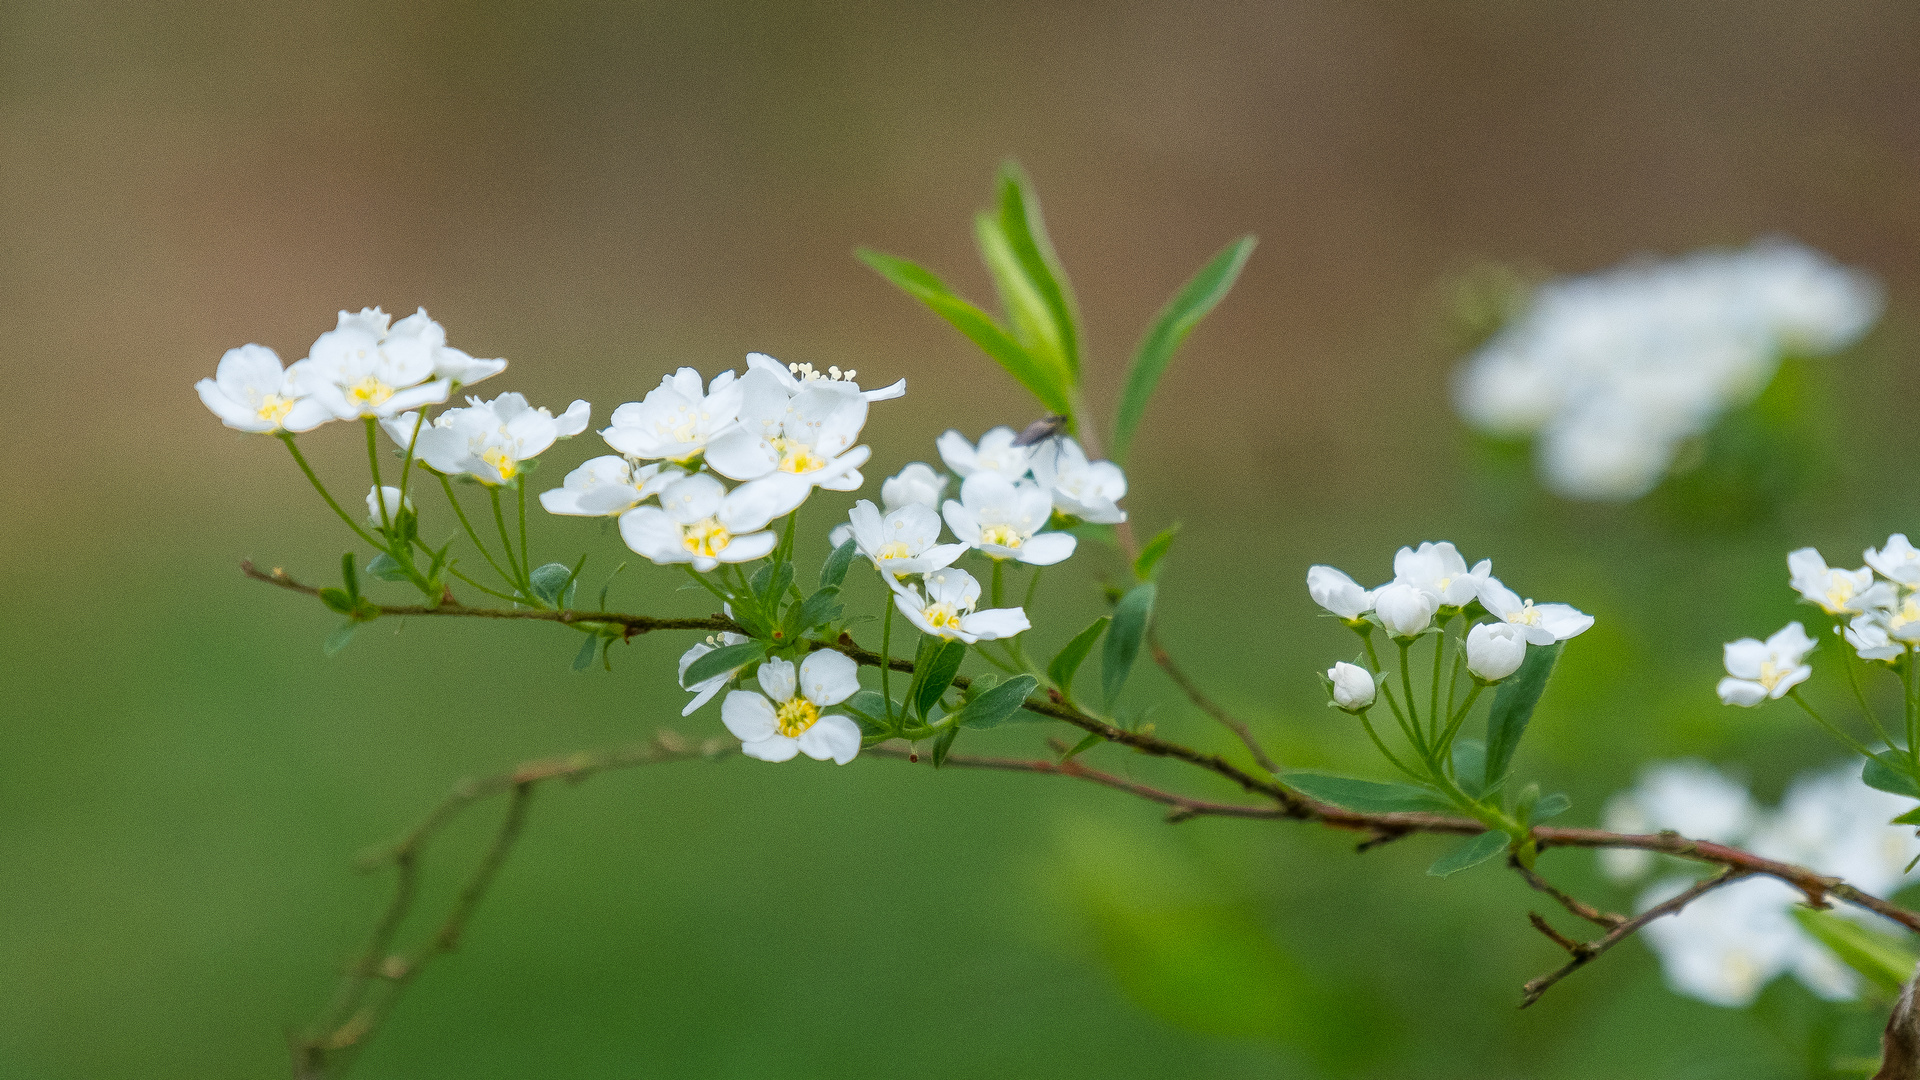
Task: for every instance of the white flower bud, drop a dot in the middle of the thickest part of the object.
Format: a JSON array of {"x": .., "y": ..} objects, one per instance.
[
  {"x": 917, "y": 483},
  {"x": 1495, "y": 650},
  {"x": 1352, "y": 686},
  {"x": 1404, "y": 610},
  {"x": 389, "y": 495},
  {"x": 1337, "y": 592}
]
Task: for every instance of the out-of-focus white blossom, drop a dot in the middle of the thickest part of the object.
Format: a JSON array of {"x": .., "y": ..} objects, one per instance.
[
  {"x": 794, "y": 378},
  {"x": 677, "y": 419},
  {"x": 1080, "y": 488},
  {"x": 786, "y": 445},
  {"x": 1002, "y": 519},
  {"x": 451, "y": 364},
  {"x": 1897, "y": 561},
  {"x": 1691, "y": 798},
  {"x": 1760, "y": 671},
  {"x": 917, "y": 483},
  {"x": 704, "y": 690},
  {"x": 1727, "y": 945},
  {"x": 1403, "y": 609},
  {"x": 1835, "y": 824},
  {"x": 384, "y": 498},
  {"x": 699, "y": 521},
  {"x": 1542, "y": 624},
  {"x": 1870, "y": 638},
  {"x": 788, "y": 719},
  {"x": 1495, "y": 650},
  {"x": 250, "y": 392},
  {"x": 996, "y": 454},
  {"x": 363, "y": 368},
  {"x": 1613, "y": 370},
  {"x": 488, "y": 439},
  {"x": 1838, "y": 592},
  {"x": 947, "y": 609},
  {"x": 906, "y": 541},
  {"x": 1440, "y": 570},
  {"x": 607, "y": 485},
  {"x": 1352, "y": 687},
  {"x": 1334, "y": 590}
]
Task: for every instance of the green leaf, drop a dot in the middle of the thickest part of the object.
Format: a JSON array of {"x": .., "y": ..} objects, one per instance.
[
  {"x": 943, "y": 744},
  {"x": 340, "y": 636},
  {"x": 933, "y": 674},
  {"x": 1064, "y": 665},
  {"x": 1366, "y": 796},
  {"x": 770, "y": 583},
  {"x": 1033, "y": 321},
  {"x": 351, "y": 579},
  {"x": 722, "y": 660},
  {"x": 822, "y": 607},
  {"x": 1156, "y": 549},
  {"x": 550, "y": 581},
  {"x": 1040, "y": 379},
  {"x": 1026, "y": 234},
  {"x": 1911, "y": 817},
  {"x": 1885, "y": 960},
  {"x": 1130, "y": 618},
  {"x": 584, "y": 658},
  {"x": 338, "y": 600},
  {"x": 1470, "y": 765},
  {"x": 1176, "y": 320},
  {"x": 834, "y": 571},
  {"x": 1550, "y": 807},
  {"x": 1513, "y": 706},
  {"x": 386, "y": 568},
  {"x": 1890, "y": 771},
  {"x": 869, "y": 710},
  {"x": 1472, "y": 853},
  {"x": 997, "y": 705},
  {"x": 1092, "y": 740}
]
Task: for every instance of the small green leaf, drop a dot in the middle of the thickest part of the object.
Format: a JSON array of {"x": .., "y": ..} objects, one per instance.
[
  {"x": 550, "y": 581},
  {"x": 1550, "y": 807},
  {"x": 1911, "y": 817},
  {"x": 339, "y": 600},
  {"x": 1886, "y": 961},
  {"x": 998, "y": 705},
  {"x": 340, "y": 636},
  {"x": 1040, "y": 379},
  {"x": 820, "y": 608},
  {"x": 1472, "y": 853},
  {"x": 1156, "y": 549},
  {"x": 347, "y": 575},
  {"x": 1130, "y": 617},
  {"x": 1026, "y": 233},
  {"x": 722, "y": 660},
  {"x": 1890, "y": 771},
  {"x": 934, "y": 677},
  {"x": 943, "y": 744},
  {"x": 1469, "y": 765},
  {"x": 869, "y": 710},
  {"x": 834, "y": 571},
  {"x": 1366, "y": 796},
  {"x": 1031, "y": 318},
  {"x": 1064, "y": 665},
  {"x": 1513, "y": 706},
  {"x": 1092, "y": 740},
  {"x": 1188, "y": 306},
  {"x": 386, "y": 568},
  {"x": 584, "y": 658}
]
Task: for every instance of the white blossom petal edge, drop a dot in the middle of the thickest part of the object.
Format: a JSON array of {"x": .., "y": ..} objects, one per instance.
[{"x": 787, "y": 720}]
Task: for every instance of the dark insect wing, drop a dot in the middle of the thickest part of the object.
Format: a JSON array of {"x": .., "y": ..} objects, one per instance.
[{"x": 1041, "y": 430}]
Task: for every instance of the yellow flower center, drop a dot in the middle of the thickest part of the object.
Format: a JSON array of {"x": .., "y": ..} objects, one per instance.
[
  {"x": 795, "y": 716},
  {"x": 684, "y": 425},
  {"x": 1909, "y": 612},
  {"x": 1526, "y": 616},
  {"x": 1839, "y": 592},
  {"x": 1002, "y": 535},
  {"x": 942, "y": 617},
  {"x": 893, "y": 550},
  {"x": 274, "y": 408},
  {"x": 706, "y": 537},
  {"x": 1770, "y": 674},
  {"x": 797, "y": 457},
  {"x": 370, "y": 391},
  {"x": 502, "y": 462}
]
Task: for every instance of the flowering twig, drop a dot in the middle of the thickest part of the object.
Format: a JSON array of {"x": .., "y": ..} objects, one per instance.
[{"x": 1584, "y": 952}]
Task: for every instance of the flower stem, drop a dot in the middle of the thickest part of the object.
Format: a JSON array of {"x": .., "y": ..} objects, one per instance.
[
  {"x": 1375, "y": 736},
  {"x": 707, "y": 585},
  {"x": 490, "y": 592},
  {"x": 886, "y": 651},
  {"x": 301, "y": 460},
  {"x": 373, "y": 463},
  {"x": 406, "y": 466},
  {"x": 1453, "y": 724},
  {"x": 526, "y": 552},
  {"x": 447, "y": 486},
  {"x": 1860, "y": 695},
  {"x": 506, "y": 541},
  {"x": 1433, "y": 697},
  {"x": 1406, "y": 686},
  {"x": 1849, "y": 741}
]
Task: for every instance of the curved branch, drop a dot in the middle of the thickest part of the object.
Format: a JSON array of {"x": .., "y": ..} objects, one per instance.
[{"x": 1584, "y": 952}]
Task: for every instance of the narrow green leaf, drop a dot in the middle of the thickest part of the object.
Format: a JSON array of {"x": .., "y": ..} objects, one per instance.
[
  {"x": 1088, "y": 743},
  {"x": 1472, "y": 853},
  {"x": 774, "y": 585},
  {"x": 1885, "y": 961},
  {"x": 869, "y": 710},
  {"x": 942, "y": 745},
  {"x": 939, "y": 672},
  {"x": 1130, "y": 617},
  {"x": 822, "y": 607},
  {"x": 338, "y": 600},
  {"x": 340, "y": 636},
  {"x": 1070, "y": 658},
  {"x": 722, "y": 660},
  {"x": 1188, "y": 306},
  {"x": 1513, "y": 706},
  {"x": 998, "y": 705},
  {"x": 347, "y": 575},
  {"x": 385, "y": 568},
  {"x": 550, "y": 581},
  {"x": 583, "y": 659},
  {"x": 1911, "y": 817},
  {"x": 1156, "y": 549},
  {"x": 1470, "y": 766},
  {"x": 1888, "y": 771},
  {"x": 1026, "y": 232},
  {"x": 1366, "y": 796},
  {"x": 1031, "y": 318},
  {"x": 1039, "y": 379},
  {"x": 834, "y": 571},
  {"x": 1550, "y": 807}
]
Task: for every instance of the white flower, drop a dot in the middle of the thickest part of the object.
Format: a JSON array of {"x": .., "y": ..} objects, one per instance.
[
  {"x": 1898, "y": 560},
  {"x": 451, "y": 364},
  {"x": 788, "y": 719},
  {"x": 1495, "y": 650},
  {"x": 676, "y": 421},
  {"x": 391, "y": 497},
  {"x": 947, "y": 609},
  {"x": 1869, "y": 636},
  {"x": 1543, "y": 624},
  {"x": 1689, "y": 797},
  {"x": 1352, "y": 686},
  {"x": 905, "y": 542},
  {"x": 1002, "y": 519},
  {"x": 1832, "y": 823},
  {"x": 1761, "y": 671},
  {"x": 1837, "y": 591},
  {"x": 917, "y": 483},
  {"x": 1080, "y": 488},
  {"x": 250, "y": 392},
  {"x": 360, "y": 369},
  {"x": 1727, "y": 945},
  {"x": 699, "y": 521},
  {"x": 1902, "y": 620},
  {"x": 1404, "y": 610},
  {"x": 488, "y": 439},
  {"x": 1338, "y": 593},
  {"x": 996, "y": 454},
  {"x": 608, "y": 485},
  {"x": 1439, "y": 569},
  {"x": 787, "y": 445},
  {"x": 704, "y": 690},
  {"x": 797, "y": 377}
]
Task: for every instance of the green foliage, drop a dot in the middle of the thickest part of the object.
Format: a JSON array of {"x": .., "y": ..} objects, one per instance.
[
  {"x": 386, "y": 568},
  {"x": 834, "y": 571},
  {"x": 583, "y": 659},
  {"x": 1175, "y": 321},
  {"x": 1889, "y": 770},
  {"x": 1366, "y": 796},
  {"x": 722, "y": 660},
  {"x": 1470, "y": 766},
  {"x": 1130, "y": 618},
  {"x": 1884, "y": 960},
  {"x": 340, "y": 636},
  {"x": 1148, "y": 563},
  {"x": 943, "y": 745},
  {"x": 997, "y": 705},
  {"x": 933, "y": 671},
  {"x": 817, "y": 610},
  {"x": 1550, "y": 807},
  {"x": 553, "y": 584},
  {"x": 1513, "y": 706},
  {"x": 1023, "y": 265},
  {"x": 870, "y": 711},
  {"x": 1062, "y": 669},
  {"x": 1472, "y": 853}
]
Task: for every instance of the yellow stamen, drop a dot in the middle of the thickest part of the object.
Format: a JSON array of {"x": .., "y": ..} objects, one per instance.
[
  {"x": 274, "y": 408},
  {"x": 370, "y": 391},
  {"x": 706, "y": 537},
  {"x": 1002, "y": 535},
  {"x": 502, "y": 462},
  {"x": 795, "y": 716},
  {"x": 1839, "y": 593},
  {"x": 797, "y": 457},
  {"x": 894, "y": 550},
  {"x": 941, "y": 617}
]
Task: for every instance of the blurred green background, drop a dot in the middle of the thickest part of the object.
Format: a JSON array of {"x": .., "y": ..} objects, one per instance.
[{"x": 602, "y": 191}]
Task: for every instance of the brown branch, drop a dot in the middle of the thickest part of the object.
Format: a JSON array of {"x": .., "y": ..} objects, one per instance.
[
  {"x": 1606, "y": 920},
  {"x": 1183, "y": 808},
  {"x": 1206, "y": 704},
  {"x": 1583, "y": 953}
]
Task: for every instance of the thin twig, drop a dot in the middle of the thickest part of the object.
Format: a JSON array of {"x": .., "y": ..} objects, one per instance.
[
  {"x": 1606, "y": 920},
  {"x": 1206, "y": 704},
  {"x": 1583, "y": 953},
  {"x": 1183, "y": 808}
]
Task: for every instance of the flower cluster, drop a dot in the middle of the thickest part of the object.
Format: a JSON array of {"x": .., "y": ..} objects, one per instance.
[
  {"x": 1614, "y": 370},
  {"x": 1727, "y": 945}
]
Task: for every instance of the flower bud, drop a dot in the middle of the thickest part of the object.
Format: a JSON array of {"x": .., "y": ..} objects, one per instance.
[
  {"x": 1404, "y": 610},
  {"x": 917, "y": 483},
  {"x": 1338, "y": 593},
  {"x": 1352, "y": 687},
  {"x": 1495, "y": 650},
  {"x": 388, "y": 495}
]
